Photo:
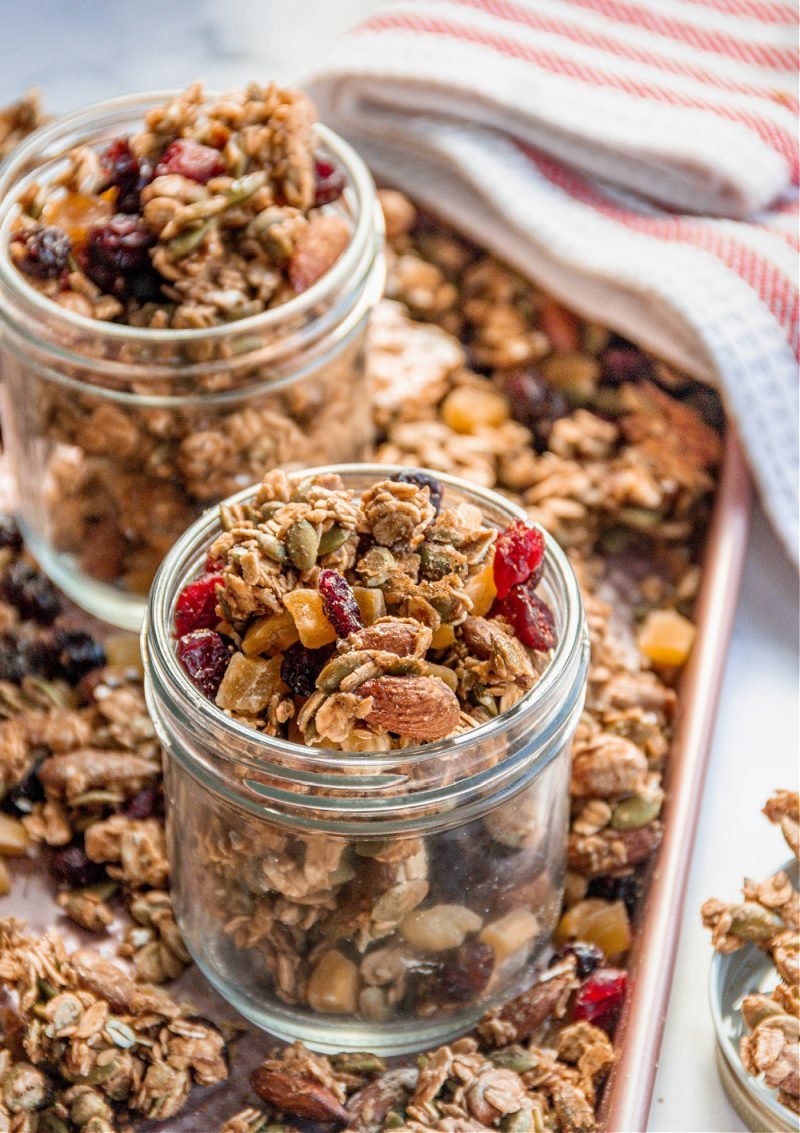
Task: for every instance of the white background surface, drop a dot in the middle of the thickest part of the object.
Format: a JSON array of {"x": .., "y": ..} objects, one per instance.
[{"x": 78, "y": 51}]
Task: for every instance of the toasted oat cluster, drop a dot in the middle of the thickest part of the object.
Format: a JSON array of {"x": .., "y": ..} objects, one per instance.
[
  {"x": 365, "y": 623},
  {"x": 18, "y": 120},
  {"x": 214, "y": 211},
  {"x": 769, "y": 917}
]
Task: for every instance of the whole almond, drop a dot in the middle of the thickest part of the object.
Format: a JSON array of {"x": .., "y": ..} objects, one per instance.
[
  {"x": 420, "y": 708},
  {"x": 402, "y": 636},
  {"x": 297, "y": 1094}
]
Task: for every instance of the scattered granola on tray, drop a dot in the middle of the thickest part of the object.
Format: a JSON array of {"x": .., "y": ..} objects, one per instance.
[
  {"x": 518, "y": 394},
  {"x": 769, "y": 917},
  {"x": 214, "y": 211}
]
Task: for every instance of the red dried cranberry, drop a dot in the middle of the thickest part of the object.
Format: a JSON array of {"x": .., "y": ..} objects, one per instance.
[
  {"x": 196, "y": 607},
  {"x": 531, "y": 618},
  {"x": 339, "y": 602},
  {"x": 10, "y": 535},
  {"x": 588, "y": 957},
  {"x": 599, "y": 1000},
  {"x": 621, "y": 361},
  {"x": 126, "y": 173},
  {"x": 465, "y": 972},
  {"x": 143, "y": 804},
  {"x": 534, "y": 402},
  {"x": 518, "y": 557},
  {"x": 422, "y": 480},
  {"x": 331, "y": 182},
  {"x": 31, "y": 592},
  {"x": 47, "y": 251},
  {"x": 73, "y": 869},
  {"x": 191, "y": 159},
  {"x": 204, "y": 657},
  {"x": 213, "y": 566},
  {"x": 118, "y": 252},
  {"x": 301, "y": 666}
]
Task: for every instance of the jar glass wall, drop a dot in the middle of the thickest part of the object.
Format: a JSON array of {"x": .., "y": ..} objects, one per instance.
[
  {"x": 376, "y": 900},
  {"x": 120, "y": 436}
]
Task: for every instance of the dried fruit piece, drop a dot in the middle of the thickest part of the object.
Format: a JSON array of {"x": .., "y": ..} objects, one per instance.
[
  {"x": 196, "y": 607},
  {"x": 423, "y": 480},
  {"x": 333, "y": 985},
  {"x": 204, "y": 658},
  {"x": 464, "y": 974},
  {"x": 666, "y": 638},
  {"x": 311, "y": 622},
  {"x": 599, "y": 1001},
  {"x": 13, "y": 836},
  {"x": 371, "y": 603},
  {"x": 117, "y": 252},
  {"x": 534, "y": 402},
  {"x": 249, "y": 684},
  {"x": 560, "y": 326},
  {"x": 31, "y": 592},
  {"x": 481, "y": 590},
  {"x": 531, "y": 618},
  {"x": 588, "y": 957},
  {"x": 271, "y": 634},
  {"x": 10, "y": 534},
  {"x": 597, "y": 922},
  {"x": 300, "y": 668},
  {"x": 439, "y": 927},
  {"x": 5, "y": 879},
  {"x": 42, "y": 251},
  {"x": 76, "y": 654},
  {"x": 124, "y": 171},
  {"x": 330, "y": 181},
  {"x": 339, "y": 602},
  {"x": 191, "y": 159},
  {"x": 72, "y": 867},
  {"x": 518, "y": 557},
  {"x": 418, "y": 708},
  {"x": 467, "y": 409},
  {"x": 512, "y": 932},
  {"x": 623, "y": 362}
]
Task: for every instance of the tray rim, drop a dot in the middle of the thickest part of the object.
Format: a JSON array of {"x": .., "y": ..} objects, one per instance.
[{"x": 629, "y": 1091}]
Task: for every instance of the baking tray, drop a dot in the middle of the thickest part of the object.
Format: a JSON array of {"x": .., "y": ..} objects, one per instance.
[{"x": 628, "y": 1093}]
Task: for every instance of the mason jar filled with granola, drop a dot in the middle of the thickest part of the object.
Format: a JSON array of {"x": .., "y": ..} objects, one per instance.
[
  {"x": 366, "y": 680},
  {"x": 185, "y": 284}
]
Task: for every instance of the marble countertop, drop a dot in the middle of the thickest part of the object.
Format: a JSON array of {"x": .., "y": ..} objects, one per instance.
[{"x": 84, "y": 51}]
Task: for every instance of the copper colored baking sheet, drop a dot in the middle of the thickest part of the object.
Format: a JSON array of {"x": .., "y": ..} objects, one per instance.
[{"x": 626, "y": 1102}]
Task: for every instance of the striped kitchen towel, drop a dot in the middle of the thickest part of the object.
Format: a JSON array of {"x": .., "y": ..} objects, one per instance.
[{"x": 638, "y": 158}]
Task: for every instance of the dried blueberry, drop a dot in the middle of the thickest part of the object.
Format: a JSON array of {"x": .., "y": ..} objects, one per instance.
[
  {"x": 534, "y": 402},
  {"x": 10, "y": 535},
  {"x": 77, "y": 653},
  {"x": 144, "y": 803},
  {"x": 627, "y": 889},
  {"x": 300, "y": 667},
  {"x": 621, "y": 362},
  {"x": 26, "y": 794},
  {"x": 47, "y": 251},
  {"x": 422, "y": 480},
  {"x": 587, "y": 956},
  {"x": 31, "y": 592},
  {"x": 72, "y": 868},
  {"x": 11, "y": 664}
]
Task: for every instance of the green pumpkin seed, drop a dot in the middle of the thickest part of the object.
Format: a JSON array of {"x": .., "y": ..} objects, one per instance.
[
  {"x": 635, "y": 812},
  {"x": 183, "y": 245},
  {"x": 332, "y": 539},
  {"x": 302, "y": 544},
  {"x": 358, "y": 1062},
  {"x": 514, "y": 1058},
  {"x": 271, "y": 546},
  {"x": 751, "y": 921}
]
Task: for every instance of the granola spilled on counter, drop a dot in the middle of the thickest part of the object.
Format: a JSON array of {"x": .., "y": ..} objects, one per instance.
[
  {"x": 769, "y": 917},
  {"x": 214, "y": 211},
  {"x": 18, "y": 120},
  {"x": 574, "y": 422},
  {"x": 364, "y": 623}
]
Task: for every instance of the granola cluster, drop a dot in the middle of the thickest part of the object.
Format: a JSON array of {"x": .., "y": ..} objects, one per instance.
[
  {"x": 19, "y": 120},
  {"x": 769, "y": 918}
]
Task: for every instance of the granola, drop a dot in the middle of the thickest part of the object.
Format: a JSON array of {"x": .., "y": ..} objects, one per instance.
[
  {"x": 768, "y": 917},
  {"x": 18, "y": 120}
]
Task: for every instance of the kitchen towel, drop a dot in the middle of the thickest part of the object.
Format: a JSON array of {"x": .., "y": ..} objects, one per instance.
[{"x": 638, "y": 158}]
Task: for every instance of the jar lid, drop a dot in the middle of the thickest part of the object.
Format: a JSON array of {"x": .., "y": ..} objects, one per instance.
[{"x": 733, "y": 976}]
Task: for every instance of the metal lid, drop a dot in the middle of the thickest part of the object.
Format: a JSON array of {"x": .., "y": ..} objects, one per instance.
[{"x": 733, "y": 976}]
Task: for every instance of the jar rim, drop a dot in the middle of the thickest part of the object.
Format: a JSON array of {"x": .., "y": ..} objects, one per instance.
[
  {"x": 19, "y": 166},
  {"x": 157, "y": 640}
]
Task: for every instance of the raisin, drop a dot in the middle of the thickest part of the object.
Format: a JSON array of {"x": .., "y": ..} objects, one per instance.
[
  {"x": 301, "y": 666},
  {"x": 47, "y": 251},
  {"x": 118, "y": 252},
  {"x": 31, "y": 592},
  {"x": 77, "y": 654},
  {"x": 73, "y": 869},
  {"x": 534, "y": 402},
  {"x": 531, "y": 618},
  {"x": 518, "y": 557},
  {"x": 588, "y": 957},
  {"x": 465, "y": 972},
  {"x": 599, "y": 1001},
  {"x": 204, "y": 658},
  {"x": 627, "y": 889},
  {"x": 196, "y": 607},
  {"x": 10, "y": 535},
  {"x": 423, "y": 480},
  {"x": 621, "y": 362},
  {"x": 192, "y": 160},
  {"x": 144, "y": 803},
  {"x": 341, "y": 608},
  {"x": 124, "y": 171},
  {"x": 331, "y": 182}
]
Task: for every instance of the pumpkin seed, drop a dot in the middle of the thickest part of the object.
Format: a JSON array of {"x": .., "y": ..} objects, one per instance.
[
  {"x": 332, "y": 539},
  {"x": 302, "y": 544}
]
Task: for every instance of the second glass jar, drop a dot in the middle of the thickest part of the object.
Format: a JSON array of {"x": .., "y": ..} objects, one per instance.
[
  {"x": 376, "y": 900},
  {"x": 120, "y": 436}
]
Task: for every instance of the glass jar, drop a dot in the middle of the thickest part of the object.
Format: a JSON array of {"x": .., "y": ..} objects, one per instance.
[
  {"x": 367, "y": 901},
  {"x": 120, "y": 436}
]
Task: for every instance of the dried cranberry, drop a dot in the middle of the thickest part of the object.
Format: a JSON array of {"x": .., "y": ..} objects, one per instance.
[
  {"x": 627, "y": 889},
  {"x": 10, "y": 535},
  {"x": 73, "y": 869},
  {"x": 331, "y": 182},
  {"x": 422, "y": 480},
  {"x": 339, "y": 602},
  {"x": 77, "y": 654},
  {"x": 599, "y": 1000},
  {"x": 118, "y": 252},
  {"x": 47, "y": 251},
  {"x": 126, "y": 173},
  {"x": 531, "y": 618},
  {"x": 196, "y": 607},
  {"x": 518, "y": 557},
  {"x": 301, "y": 666},
  {"x": 204, "y": 657},
  {"x": 26, "y": 794},
  {"x": 588, "y": 957},
  {"x": 621, "y": 361},
  {"x": 31, "y": 592},
  {"x": 534, "y": 402},
  {"x": 144, "y": 803},
  {"x": 191, "y": 159},
  {"x": 465, "y": 972}
]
